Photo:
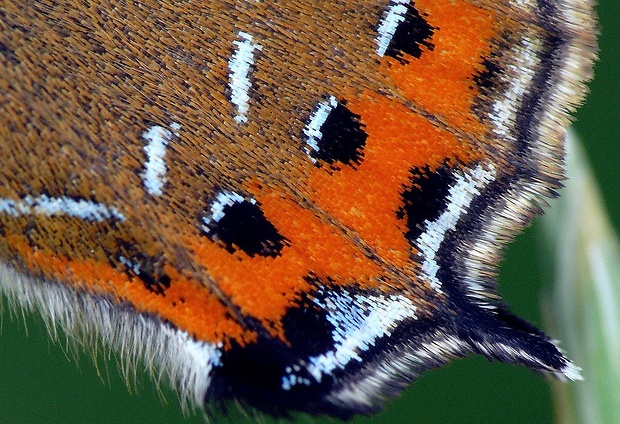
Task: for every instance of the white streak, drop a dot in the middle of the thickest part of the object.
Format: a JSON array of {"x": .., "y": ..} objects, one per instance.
[
  {"x": 393, "y": 16},
  {"x": 358, "y": 322},
  {"x": 458, "y": 200},
  {"x": 317, "y": 119},
  {"x": 239, "y": 65},
  {"x": 50, "y": 206},
  {"x": 499, "y": 350},
  {"x": 154, "y": 176}
]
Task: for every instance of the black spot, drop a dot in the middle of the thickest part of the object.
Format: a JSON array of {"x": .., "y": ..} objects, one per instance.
[
  {"x": 485, "y": 82},
  {"x": 155, "y": 282},
  {"x": 486, "y": 79},
  {"x": 244, "y": 226},
  {"x": 255, "y": 371},
  {"x": 412, "y": 33},
  {"x": 425, "y": 198},
  {"x": 343, "y": 137},
  {"x": 307, "y": 329},
  {"x": 488, "y": 83}
]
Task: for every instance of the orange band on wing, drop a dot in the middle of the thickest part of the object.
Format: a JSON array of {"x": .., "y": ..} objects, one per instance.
[
  {"x": 265, "y": 287},
  {"x": 187, "y": 304}
]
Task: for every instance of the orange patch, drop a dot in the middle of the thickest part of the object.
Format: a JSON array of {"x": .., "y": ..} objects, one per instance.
[
  {"x": 187, "y": 304},
  {"x": 441, "y": 80},
  {"x": 366, "y": 197},
  {"x": 265, "y": 287}
]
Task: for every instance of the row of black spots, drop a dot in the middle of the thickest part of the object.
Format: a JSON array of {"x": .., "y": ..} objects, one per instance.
[
  {"x": 335, "y": 135},
  {"x": 404, "y": 31},
  {"x": 239, "y": 224},
  {"x": 424, "y": 198}
]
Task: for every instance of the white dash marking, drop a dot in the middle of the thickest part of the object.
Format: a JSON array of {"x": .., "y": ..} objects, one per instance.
[
  {"x": 317, "y": 119},
  {"x": 240, "y": 65},
  {"x": 154, "y": 176},
  {"x": 392, "y": 17},
  {"x": 51, "y": 206},
  {"x": 459, "y": 199}
]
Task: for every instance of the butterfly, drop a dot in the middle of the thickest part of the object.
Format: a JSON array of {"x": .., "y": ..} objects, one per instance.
[{"x": 297, "y": 207}]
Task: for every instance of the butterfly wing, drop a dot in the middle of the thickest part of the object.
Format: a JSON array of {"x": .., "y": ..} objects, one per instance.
[{"x": 295, "y": 207}]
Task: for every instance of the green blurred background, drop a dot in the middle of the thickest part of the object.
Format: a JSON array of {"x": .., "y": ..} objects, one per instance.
[{"x": 39, "y": 383}]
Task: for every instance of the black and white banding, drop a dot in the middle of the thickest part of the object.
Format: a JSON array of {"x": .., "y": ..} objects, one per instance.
[
  {"x": 222, "y": 201},
  {"x": 520, "y": 78},
  {"x": 392, "y": 18},
  {"x": 312, "y": 130},
  {"x": 460, "y": 196},
  {"x": 358, "y": 322}
]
